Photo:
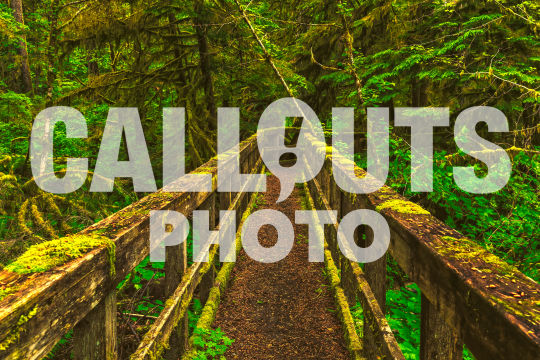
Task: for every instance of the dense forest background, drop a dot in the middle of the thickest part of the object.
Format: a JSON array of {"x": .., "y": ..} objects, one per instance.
[{"x": 96, "y": 54}]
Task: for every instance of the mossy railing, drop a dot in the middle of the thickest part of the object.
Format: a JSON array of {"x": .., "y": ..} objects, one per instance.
[
  {"x": 469, "y": 296},
  {"x": 70, "y": 283}
]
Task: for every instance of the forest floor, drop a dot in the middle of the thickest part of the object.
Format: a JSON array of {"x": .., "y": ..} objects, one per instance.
[{"x": 282, "y": 310}]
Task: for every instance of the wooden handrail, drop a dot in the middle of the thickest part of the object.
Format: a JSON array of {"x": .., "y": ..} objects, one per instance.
[
  {"x": 379, "y": 341},
  {"x": 44, "y": 306},
  {"x": 487, "y": 303}
]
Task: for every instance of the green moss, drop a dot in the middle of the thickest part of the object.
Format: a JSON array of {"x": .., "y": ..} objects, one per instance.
[
  {"x": 466, "y": 250},
  {"x": 4, "y": 293},
  {"x": 353, "y": 342},
  {"x": 449, "y": 238},
  {"x": 525, "y": 310},
  {"x": 204, "y": 169},
  {"x": 331, "y": 270},
  {"x": 402, "y": 206},
  {"x": 329, "y": 151},
  {"x": 50, "y": 254},
  {"x": 161, "y": 196},
  {"x": 220, "y": 284},
  {"x": 15, "y": 333},
  {"x": 135, "y": 212}
]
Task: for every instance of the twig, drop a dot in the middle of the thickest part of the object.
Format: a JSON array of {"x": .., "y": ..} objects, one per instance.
[
  {"x": 267, "y": 55},
  {"x": 130, "y": 326},
  {"x": 141, "y": 316}
]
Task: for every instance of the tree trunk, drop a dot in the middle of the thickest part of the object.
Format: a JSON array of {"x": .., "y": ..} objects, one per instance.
[
  {"x": 51, "y": 50},
  {"x": 16, "y": 6},
  {"x": 204, "y": 56},
  {"x": 419, "y": 97},
  {"x": 93, "y": 66}
]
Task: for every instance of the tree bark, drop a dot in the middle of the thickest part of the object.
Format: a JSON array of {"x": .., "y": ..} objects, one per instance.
[
  {"x": 53, "y": 40},
  {"x": 206, "y": 69},
  {"x": 16, "y": 6},
  {"x": 93, "y": 66}
]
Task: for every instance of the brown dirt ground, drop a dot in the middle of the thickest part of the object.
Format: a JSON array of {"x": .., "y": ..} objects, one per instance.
[{"x": 283, "y": 310}]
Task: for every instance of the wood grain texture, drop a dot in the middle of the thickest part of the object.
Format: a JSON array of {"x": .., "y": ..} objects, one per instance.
[
  {"x": 437, "y": 340},
  {"x": 379, "y": 341},
  {"x": 95, "y": 336}
]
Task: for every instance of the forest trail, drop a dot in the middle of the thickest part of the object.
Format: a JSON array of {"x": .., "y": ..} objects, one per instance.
[{"x": 283, "y": 310}]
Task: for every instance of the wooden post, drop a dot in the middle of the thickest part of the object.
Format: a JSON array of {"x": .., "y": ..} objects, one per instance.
[
  {"x": 330, "y": 234},
  {"x": 376, "y": 277},
  {"x": 334, "y": 196},
  {"x": 175, "y": 267},
  {"x": 437, "y": 340},
  {"x": 210, "y": 205},
  {"x": 95, "y": 335},
  {"x": 347, "y": 281},
  {"x": 224, "y": 200},
  {"x": 207, "y": 281},
  {"x": 375, "y": 273}
]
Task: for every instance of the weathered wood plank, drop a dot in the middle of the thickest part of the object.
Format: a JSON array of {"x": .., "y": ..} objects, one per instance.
[
  {"x": 155, "y": 340},
  {"x": 221, "y": 282},
  {"x": 375, "y": 275},
  {"x": 207, "y": 280},
  {"x": 175, "y": 268},
  {"x": 352, "y": 339},
  {"x": 437, "y": 340},
  {"x": 95, "y": 336},
  {"x": 379, "y": 341}
]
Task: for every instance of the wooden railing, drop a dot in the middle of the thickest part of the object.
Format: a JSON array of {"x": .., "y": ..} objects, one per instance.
[
  {"x": 81, "y": 294},
  {"x": 468, "y": 295}
]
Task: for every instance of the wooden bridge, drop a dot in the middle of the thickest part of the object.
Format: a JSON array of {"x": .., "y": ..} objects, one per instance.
[{"x": 468, "y": 295}]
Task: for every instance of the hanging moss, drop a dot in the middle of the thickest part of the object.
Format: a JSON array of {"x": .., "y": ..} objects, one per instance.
[
  {"x": 40, "y": 221},
  {"x": 5, "y": 160},
  {"x": 402, "y": 206},
  {"x": 51, "y": 204},
  {"x": 7, "y": 178},
  {"x": 21, "y": 219},
  {"x": 50, "y": 254}
]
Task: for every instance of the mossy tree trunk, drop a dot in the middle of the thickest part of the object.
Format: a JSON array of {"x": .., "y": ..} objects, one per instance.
[
  {"x": 205, "y": 62},
  {"x": 26, "y": 78},
  {"x": 51, "y": 53}
]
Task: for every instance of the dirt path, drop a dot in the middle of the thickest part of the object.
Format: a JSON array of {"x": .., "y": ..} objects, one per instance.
[{"x": 283, "y": 310}]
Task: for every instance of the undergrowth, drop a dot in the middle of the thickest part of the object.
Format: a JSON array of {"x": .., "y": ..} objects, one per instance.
[{"x": 211, "y": 343}]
